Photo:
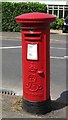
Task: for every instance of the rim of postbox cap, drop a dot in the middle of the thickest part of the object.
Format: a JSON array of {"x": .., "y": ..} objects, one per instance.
[{"x": 35, "y": 17}]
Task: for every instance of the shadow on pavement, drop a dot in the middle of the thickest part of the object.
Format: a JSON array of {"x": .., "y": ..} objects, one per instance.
[{"x": 61, "y": 102}]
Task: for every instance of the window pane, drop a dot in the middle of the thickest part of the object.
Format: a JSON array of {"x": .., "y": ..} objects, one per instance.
[
  {"x": 66, "y": 14},
  {"x": 61, "y": 7},
  {"x": 55, "y": 12},
  {"x": 61, "y": 14},
  {"x": 50, "y": 11},
  {"x": 55, "y": 7}
]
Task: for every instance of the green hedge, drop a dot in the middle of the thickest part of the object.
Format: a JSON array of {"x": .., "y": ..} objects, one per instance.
[{"x": 11, "y": 10}]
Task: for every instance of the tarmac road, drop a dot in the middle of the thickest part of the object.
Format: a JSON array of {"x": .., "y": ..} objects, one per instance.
[{"x": 12, "y": 66}]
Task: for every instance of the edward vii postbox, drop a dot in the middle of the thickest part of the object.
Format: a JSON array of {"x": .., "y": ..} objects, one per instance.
[{"x": 36, "y": 61}]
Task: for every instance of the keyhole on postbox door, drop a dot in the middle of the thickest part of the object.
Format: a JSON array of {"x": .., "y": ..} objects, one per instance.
[{"x": 41, "y": 73}]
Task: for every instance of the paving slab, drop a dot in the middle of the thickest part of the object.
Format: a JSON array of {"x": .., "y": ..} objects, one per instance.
[{"x": 12, "y": 108}]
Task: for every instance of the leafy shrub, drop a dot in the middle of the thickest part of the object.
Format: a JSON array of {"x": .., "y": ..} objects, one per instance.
[
  {"x": 66, "y": 16},
  {"x": 11, "y": 10},
  {"x": 57, "y": 24},
  {"x": 53, "y": 25}
]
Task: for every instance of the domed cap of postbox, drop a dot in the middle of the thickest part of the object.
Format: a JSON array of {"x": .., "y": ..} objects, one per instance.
[{"x": 35, "y": 17}]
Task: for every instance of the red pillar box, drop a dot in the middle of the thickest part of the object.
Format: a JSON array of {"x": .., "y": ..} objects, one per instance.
[{"x": 36, "y": 61}]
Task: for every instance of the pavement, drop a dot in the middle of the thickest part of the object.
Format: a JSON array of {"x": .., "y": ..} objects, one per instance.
[
  {"x": 12, "y": 108},
  {"x": 12, "y": 105}
]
